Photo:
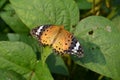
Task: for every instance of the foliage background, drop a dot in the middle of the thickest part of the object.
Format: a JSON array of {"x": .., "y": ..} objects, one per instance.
[{"x": 95, "y": 23}]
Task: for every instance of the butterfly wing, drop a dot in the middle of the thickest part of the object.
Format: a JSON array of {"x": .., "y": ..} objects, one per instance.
[
  {"x": 60, "y": 39},
  {"x": 63, "y": 41},
  {"x": 49, "y": 35},
  {"x": 66, "y": 43}
]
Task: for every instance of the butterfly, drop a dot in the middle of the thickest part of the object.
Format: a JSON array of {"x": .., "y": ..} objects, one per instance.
[{"x": 61, "y": 40}]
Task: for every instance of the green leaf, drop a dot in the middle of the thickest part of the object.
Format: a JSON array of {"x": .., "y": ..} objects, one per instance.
[
  {"x": 2, "y": 2},
  {"x": 3, "y": 37},
  {"x": 26, "y": 39},
  {"x": 10, "y": 17},
  {"x": 10, "y": 75},
  {"x": 14, "y": 37},
  {"x": 84, "y": 4},
  {"x": 116, "y": 21},
  {"x": 16, "y": 56},
  {"x": 100, "y": 41},
  {"x": 57, "y": 65},
  {"x": 19, "y": 57},
  {"x": 46, "y": 51},
  {"x": 42, "y": 72},
  {"x": 40, "y": 12}
]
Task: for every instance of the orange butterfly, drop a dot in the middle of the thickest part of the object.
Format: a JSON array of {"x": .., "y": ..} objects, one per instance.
[{"x": 61, "y": 40}]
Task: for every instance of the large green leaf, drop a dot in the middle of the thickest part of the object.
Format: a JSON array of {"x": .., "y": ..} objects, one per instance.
[
  {"x": 19, "y": 57},
  {"x": 10, "y": 17},
  {"x": 38, "y": 12},
  {"x": 16, "y": 56},
  {"x": 100, "y": 41},
  {"x": 10, "y": 75},
  {"x": 24, "y": 38}
]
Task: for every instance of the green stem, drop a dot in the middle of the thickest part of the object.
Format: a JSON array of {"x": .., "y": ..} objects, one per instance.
[{"x": 45, "y": 53}]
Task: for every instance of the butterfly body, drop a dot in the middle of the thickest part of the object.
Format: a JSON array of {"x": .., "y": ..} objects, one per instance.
[{"x": 60, "y": 39}]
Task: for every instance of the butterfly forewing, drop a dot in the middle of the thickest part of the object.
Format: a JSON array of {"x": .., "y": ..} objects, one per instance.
[{"x": 49, "y": 35}]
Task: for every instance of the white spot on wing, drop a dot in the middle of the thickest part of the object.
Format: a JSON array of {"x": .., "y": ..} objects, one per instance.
[
  {"x": 72, "y": 53},
  {"x": 75, "y": 51},
  {"x": 39, "y": 30},
  {"x": 76, "y": 47}
]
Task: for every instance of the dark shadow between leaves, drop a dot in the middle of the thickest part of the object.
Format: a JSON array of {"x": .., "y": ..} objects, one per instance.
[{"x": 92, "y": 54}]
